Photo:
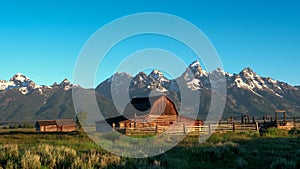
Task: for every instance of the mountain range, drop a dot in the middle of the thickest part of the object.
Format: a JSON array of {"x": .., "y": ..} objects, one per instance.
[
  {"x": 21, "y": 100},
  {"x": 247, "y": 93}
]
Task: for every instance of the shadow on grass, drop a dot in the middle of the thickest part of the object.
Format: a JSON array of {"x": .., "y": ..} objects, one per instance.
[
  {"x": 234, "y": 153},
  {"x": 38, "y": 133},
  {"x": 272, "y": 149}
]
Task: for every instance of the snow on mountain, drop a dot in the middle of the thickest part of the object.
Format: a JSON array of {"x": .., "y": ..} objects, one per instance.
[
  {"x": 195, "y": 76},
  {"x": 154, "y": 81},
  {"x": 18, "y": 81},
  {"x": 25, "y": 85},
  {"x": 158, "y": 81},
  {"x": 158, "y": 76},
  {"x": 140, "y": 80},
  {"x": 247, "y": 79},
  {"x": 66, "y": 84},
  {"x": 250, "y": 79},
  {"x": 197, "y": 70}
]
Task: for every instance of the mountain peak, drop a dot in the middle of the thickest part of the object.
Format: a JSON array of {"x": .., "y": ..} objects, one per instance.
[
  {"x": 141, "y": 74},
  {"x": 196, "y": 69},
  {"x": 122, "y": 74},
  {"x": 195, "y": 64},
  {"x": 218, "y": 71},
  {"x": 249, "y": 71},
  {"x": 19, "y": 78},
  {"x": 155, "y": 71},
  {"x": 65, "y": 82},
  {"x": 156, "y": 74}
]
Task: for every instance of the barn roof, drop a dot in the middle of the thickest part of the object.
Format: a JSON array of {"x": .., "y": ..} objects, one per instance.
[
  {"x": 144, "y": 105},
  {"x": 60, "y": 122},
  {"x": 141, "y": 107},
  {"x": 65, "y": 122},
  {"x": 45, "y": 122},
  {"x": 112, "y": 120}
]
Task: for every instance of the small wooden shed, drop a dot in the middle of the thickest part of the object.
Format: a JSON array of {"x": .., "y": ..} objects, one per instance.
[
  {"x": 46, "y": 125},
  {"x": 61, "y": 125}
]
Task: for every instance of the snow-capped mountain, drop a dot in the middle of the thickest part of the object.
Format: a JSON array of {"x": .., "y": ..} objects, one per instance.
[
  {"x": 247, "y": 79},
  {"x": 20, "y": 82},
  {"x": 194, "y": 76},
  {"x": 247, "y": 92},
  {"x": 65, "y": 84},
  {"x": 25, "y": 85},
  {"x": 196, "y": 79},
  {"x": 21, "y": 99}
]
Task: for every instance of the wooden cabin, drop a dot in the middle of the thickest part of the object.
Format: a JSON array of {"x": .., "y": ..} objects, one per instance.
[
  {"x": 148, "y": 112},
  {"x": 62, "y": 125},
  {"x": 46, "y": 126}
]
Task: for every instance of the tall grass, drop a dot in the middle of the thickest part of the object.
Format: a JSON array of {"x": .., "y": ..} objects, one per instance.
[
  {"x": 53, "y": 157},
  {"x": 281, "y": 163},
  {"x": 273, "y": 132},
  {"x": 26, "y": 149}
]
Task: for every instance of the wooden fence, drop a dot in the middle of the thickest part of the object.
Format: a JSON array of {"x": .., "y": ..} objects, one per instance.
[{"x": 182, "y": 129}]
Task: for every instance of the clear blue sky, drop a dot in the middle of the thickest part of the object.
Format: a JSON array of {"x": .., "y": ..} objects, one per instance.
[{"x": 42, "y": 39}]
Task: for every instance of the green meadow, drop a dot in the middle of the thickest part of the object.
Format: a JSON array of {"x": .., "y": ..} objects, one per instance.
[{"x": 273, "y": 148}]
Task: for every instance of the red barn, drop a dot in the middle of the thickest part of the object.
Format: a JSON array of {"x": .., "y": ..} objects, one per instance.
[{"x": 149, "y": 112}]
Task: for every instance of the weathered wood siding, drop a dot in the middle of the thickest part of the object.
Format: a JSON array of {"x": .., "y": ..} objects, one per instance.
[
  {"x": 50, "y": 128},
  {"x": 63, "y": 125},
  {"x": 67, "y": 128},
  {"x": 163, "y": 106}
]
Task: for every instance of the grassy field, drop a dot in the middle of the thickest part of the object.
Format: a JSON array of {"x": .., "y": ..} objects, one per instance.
[{"x": 24, "y": 148}]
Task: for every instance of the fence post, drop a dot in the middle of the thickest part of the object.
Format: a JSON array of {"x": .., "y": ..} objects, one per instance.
[
  {"x": 233, "y": 127},
  {"x": 184, "y": 128},
  {"x": 156, "y": 128},
  {"x": 256, "y": 126},
  {"x": 209, "y": 129}
]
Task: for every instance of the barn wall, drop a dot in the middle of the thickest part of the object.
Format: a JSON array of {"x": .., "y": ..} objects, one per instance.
[
  {"x": 50, "y": 128},
  {"x": 68, "y": 128},
  {"x": 170, "y": 108},
  {"x": 163, "y": 106},
  {"x": 189, "y": 122}
]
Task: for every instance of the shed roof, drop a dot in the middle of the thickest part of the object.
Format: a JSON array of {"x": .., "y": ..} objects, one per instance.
[
  {"x": 60, "y": 122},
  {"x": 45, "y": 122},
  {"x": 65, "y": 122}
]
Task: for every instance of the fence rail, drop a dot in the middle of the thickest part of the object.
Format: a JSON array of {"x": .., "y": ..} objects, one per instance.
[
  {"x": 297, "y": 125},
  {"x": 182, "y": 129}
]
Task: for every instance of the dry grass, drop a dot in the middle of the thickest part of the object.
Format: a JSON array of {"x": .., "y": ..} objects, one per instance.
[{"x": 28, "y": 149}]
